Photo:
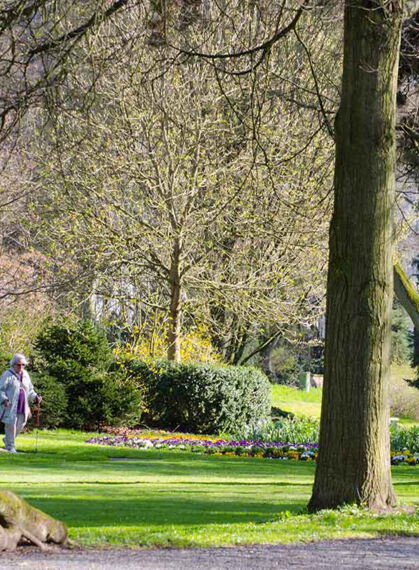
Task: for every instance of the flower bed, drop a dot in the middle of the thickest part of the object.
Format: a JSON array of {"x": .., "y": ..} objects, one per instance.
[
  {"x": 212, "y": 445},
  {"x": 242, "y": 448},
  {"x": 404, "y": 457}
]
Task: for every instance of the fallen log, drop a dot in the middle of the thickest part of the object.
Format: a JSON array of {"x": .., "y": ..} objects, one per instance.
[{"x": 20, "y": 522}]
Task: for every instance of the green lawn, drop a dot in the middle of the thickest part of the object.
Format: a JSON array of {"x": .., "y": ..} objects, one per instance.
[
  {"x": 297, "y": 401},
  {"x": 308, "y": 404},
  {"x": 183, "y": 499}
]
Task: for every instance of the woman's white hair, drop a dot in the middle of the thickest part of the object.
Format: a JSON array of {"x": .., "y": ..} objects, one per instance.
[{"x": 18, "y": 358}]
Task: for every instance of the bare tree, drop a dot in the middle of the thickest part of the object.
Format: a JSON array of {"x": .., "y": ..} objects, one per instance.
[{"x": 164, "y": 186}]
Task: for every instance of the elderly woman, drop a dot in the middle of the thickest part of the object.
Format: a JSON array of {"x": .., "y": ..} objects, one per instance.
[{"x": 16, "y": 391}]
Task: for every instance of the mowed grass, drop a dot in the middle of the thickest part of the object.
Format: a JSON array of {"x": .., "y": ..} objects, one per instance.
[
  {"x": 298, "y": 402},
  {"x": 128, "y": 497},
  {"x": 308, "y": 404}
]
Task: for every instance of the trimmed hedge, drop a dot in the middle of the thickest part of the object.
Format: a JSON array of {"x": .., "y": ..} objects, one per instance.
[{"x": 201, "y": 398}]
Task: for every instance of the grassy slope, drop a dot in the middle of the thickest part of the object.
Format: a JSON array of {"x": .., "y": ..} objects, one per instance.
[
  {"x": 296, "y": 401},
  {"x": 179, "y": 498},
  {"x": 405, "y": 398},
  {"x": 309, "y": 403}
]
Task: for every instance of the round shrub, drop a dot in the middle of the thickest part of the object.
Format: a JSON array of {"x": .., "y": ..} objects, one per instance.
[{"x": 202, "y": 398}]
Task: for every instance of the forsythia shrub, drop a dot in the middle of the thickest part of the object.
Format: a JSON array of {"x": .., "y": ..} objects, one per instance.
[
  {"x": 195, "y": 346},
  {"x": 201, "y": 398}
]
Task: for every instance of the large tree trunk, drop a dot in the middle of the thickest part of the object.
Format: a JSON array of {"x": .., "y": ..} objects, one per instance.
[
  {"x": 354, "y": 458},
  {"x": 173, "y": 352}
]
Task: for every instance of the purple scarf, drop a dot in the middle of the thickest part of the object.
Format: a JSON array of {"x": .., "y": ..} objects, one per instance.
[{"x": 21, "y": 400}]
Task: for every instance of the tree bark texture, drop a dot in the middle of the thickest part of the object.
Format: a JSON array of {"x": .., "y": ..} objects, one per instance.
[
  {"x": 354, "y": 454},
  {"x": 20, "y": 522},
  {"x": 173, "y": 352}
]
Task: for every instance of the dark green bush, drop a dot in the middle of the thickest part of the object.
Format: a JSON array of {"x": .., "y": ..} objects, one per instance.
[
  {"x": 54, "y": 405},
  {"x": 77, "y": 355},
  {"x": 202, "y": 398},
  {"x": 70, "y": 344},
  {"x": 102, "y": 399}
]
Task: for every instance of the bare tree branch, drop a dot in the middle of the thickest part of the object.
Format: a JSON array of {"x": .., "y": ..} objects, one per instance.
[{"x": 264, "y": 47}]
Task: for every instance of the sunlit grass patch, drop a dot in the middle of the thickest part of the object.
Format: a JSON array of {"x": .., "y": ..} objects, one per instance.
[
  {"x": 296, "y": 401},
  {"x": 137, "y": 497},
  {"x": 404, "y": 398}
]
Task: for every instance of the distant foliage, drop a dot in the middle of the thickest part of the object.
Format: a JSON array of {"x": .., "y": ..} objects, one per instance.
[
  {"x": 285, "y": 363},
  {"x": 405, "y": 438},
  {"x": 404, "y": 395},
  {"x": 22, "y": 318},
  {"x": 77, "y": 356},
  {"x": 202, "y": 398},
  {"x": 5, "y": 358},
  {"x": 415, "y": 351},
  {"x": 401, "y": 344},
  {"x": 290, "y": 430}
]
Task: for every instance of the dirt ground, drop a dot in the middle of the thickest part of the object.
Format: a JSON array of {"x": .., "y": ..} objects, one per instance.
[{"x": 378, "y": 554}]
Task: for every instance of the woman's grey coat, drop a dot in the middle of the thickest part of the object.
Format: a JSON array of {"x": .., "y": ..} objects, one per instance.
[{"x": 9, "y": 390}]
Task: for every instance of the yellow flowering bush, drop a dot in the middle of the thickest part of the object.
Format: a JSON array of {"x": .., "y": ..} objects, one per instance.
[{"x": 195, "y": 346}]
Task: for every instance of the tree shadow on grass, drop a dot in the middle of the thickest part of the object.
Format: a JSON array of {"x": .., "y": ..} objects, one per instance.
[
  {"x": 397, "y": 532},
  {"x": 166, "y": 464},
  {"x": 194, "y": 483},
  {"x": 158, "y": 510}
]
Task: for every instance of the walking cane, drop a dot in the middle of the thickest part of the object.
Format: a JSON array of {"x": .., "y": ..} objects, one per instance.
[{"x": 37, "y": 424}]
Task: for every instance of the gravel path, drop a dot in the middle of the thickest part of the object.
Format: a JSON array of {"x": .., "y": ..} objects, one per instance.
[{"x": 375, "y": 554}]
